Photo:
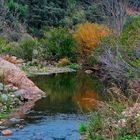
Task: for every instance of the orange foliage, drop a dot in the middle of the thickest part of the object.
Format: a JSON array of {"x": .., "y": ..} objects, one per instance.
[
  {"x": 12, "y": 59},
  {"x": 64, "y": 62},
  {"x": 88, "y": 35},
  {"x": 87, "y": 101}
]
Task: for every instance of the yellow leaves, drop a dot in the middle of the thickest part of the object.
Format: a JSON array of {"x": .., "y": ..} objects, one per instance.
[
  {"x": 88, "y": 35},
  {"x": 87, "y": 100},
  {"x": 64, "y": 62}
]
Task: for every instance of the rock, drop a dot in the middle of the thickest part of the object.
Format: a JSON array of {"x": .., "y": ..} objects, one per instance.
[
  {"x": 19, "y": 126},
  {"x": 122, "y": 123},
  {"x": 18, "y": 93},
  {"x": 2, "y": 127},
  {"x": 7, "y": 132},
  {"x": 11, "y": 59},
  {"x": 88, "y": 71},
  {"x": 1, "y": 87},
  {"x": 4, "y": 98},
  {"x": 14, "y": 88},
  {"x": 1, "y": 122},
  {"x": 14, "y": 120},
  {"x": 13, "y": 75}
]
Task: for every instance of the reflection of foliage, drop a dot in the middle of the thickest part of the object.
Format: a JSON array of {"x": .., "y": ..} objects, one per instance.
[
  {"x": 60, "y": 86},
  {"x": 91, "y": 83},
  {"x": 64, "y": 90}
]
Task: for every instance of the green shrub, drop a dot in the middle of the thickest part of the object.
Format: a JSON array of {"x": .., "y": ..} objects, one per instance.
[
  {"x": 93, "y": 14},
  {"x": 82, "y": 128},
  {"x": 5, "y": 47},
  {"x": 3, "y": 116},
  {"x": 59, "y": 43},
  {"x": 131, "y": 19},
  {"x": 136, "y": 62},
  {"x": 74, "y": 66},
  {"x": 131, "y": 34},
  {"x": 3, "y": 43},
  {"x": 27, "y": 48},
  {"x": 73, "y": 17},
  {"x": 21, "y": 9},
  {"x": 129, "y": 137}
]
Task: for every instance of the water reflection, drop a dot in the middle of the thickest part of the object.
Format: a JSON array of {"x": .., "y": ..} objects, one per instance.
[
  {"x": 58, "y": 116},
  {"x": 68, "y": 93}
]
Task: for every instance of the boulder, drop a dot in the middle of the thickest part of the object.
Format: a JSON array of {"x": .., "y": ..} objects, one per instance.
[
  {"x": 13, "y": 75},
  {"x": 7, "y": 132}
]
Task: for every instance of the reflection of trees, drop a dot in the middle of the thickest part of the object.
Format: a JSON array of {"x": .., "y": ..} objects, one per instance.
[
  {"x": 88, "y": 82},
  {"x": 86, "y": 100},
  {"x": 59, "y": 87},
  {"x": 68, "y": 91},
  {"x": 86, "y": 93}
]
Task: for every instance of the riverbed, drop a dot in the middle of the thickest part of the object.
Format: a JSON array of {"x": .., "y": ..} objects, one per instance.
[{"x": 70, "y": 98}]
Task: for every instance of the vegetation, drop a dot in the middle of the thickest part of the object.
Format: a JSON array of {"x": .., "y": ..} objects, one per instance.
[
  {"x": 88, "y": 36},
  {"x": 59, "y": 43},
  {"x": 99, "y": 37}
]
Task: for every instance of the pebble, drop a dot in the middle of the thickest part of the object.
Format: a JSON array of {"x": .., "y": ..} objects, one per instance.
[
  {"x": 4, "y": 97},
  {"x": 1, "y": 122},
  {"x": 88, "y": 71},
  {"x": 1, "y": 87},
  {"x": 14, "y": 120},
  {"x": 7, "y": 132}
]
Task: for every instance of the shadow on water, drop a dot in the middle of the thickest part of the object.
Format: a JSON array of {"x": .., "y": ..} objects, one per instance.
[{"x": 57, "y": 117}]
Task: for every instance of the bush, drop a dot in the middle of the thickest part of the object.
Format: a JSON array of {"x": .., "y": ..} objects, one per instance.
[
  {"x": 131, "y": 19},
  {"x": 131, "y": 34},
  {"x": 93, "y": 14},
  {"x": 88, "y": 36},
  {"x": 74, "y": 17},
  {"x": 117, "y": 64},
  {"x": 59, "y": 43},
  {"x": 3, "y": 44},
  {"x": 5, "y": 47},
  {"x": 103, "y": 127},
  {"x": 28, "y": 48},
  {"x": 74, "y": 66},
  {"x": 64, "y": 62},
  {"x": 25, "y": 49},
  {"x": 22, "y": 10}
]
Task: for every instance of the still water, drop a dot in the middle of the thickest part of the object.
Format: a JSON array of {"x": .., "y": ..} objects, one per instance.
[{"x": 57, "y": 117}]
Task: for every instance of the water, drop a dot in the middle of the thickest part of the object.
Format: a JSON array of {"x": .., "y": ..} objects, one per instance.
[{"x": 59, "y": 115}]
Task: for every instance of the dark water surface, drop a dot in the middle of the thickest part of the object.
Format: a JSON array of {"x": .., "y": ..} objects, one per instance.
[{"x": 58, "y": 116}]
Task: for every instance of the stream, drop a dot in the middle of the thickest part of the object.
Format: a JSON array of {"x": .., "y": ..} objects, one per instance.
[{"x": 70, "y": 98}]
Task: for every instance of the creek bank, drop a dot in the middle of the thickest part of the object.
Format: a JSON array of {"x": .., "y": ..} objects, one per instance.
[
  {"x": 12, "y": 74},
  {"x": 8, "y": 98},
  {"x": 9, "y": 102},
  {"x": 47, "y": 70},
  {"x": 18, "y": 94}
]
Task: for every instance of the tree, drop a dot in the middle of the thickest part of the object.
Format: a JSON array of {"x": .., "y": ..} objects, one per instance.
[
  {"x": 10, "y": 25},
  {"x": 114, "y": 11}
]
